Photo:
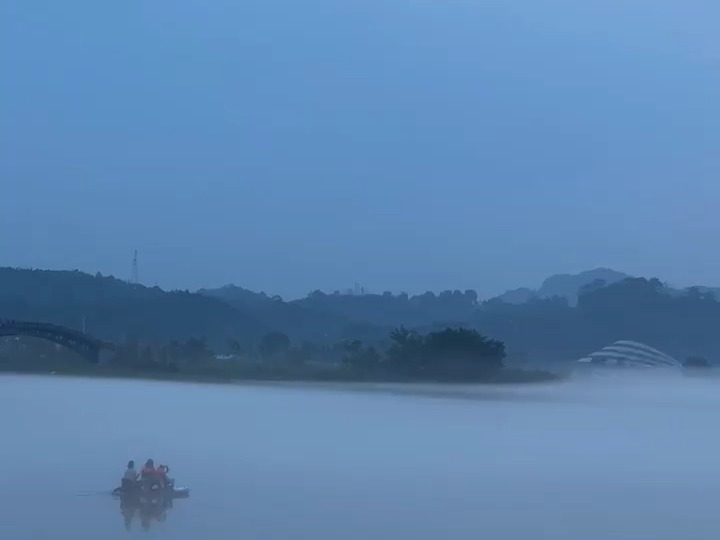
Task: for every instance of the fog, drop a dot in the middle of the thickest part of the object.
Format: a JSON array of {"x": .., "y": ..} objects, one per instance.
[{"x": 586, "y": 459}]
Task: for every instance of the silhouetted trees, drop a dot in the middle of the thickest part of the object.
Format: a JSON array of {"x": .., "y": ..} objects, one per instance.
[
  {"x": 116, "y": 311},
  {"x": 696, "y": 362},
  {"x": 235, "y": 320},
  {"x": 452, "y": 353},
  {"x": 273, "y": 345},
  {"x": 682, "y": 323},
  {"x": 362, "y": 359}
]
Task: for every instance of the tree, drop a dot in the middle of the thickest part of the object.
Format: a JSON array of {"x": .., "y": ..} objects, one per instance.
[
  {"x": 405, "y": 349},
  {"x": 147, "y": 357},
  {"x": 162, "y": 356},
  {"x": 446, "y": 295},
  {"x": 195, "y": 350},
  {"x": 273, "y": 345},
  {"x": 360, "y": 358},
  {"x": 594, "y": 285},
  {"x": 128, "y": 354},
  {"x": 237, "y": 348},
  {"x": 463, "y": 346},
  {"x": 694, "y": 362},
  {"x": 453, "y": 353}
]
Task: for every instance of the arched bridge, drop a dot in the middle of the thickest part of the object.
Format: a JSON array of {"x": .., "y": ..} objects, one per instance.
[{"x": 86, "y": 346}]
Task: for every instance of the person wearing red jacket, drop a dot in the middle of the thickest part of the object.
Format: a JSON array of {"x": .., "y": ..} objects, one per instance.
[{"x": 149, "y": 474}]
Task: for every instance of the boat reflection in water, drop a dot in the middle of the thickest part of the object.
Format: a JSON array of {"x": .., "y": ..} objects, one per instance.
[{"x": 147, "y": 507}]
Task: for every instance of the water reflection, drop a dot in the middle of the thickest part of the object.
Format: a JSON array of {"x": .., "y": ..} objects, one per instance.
[
  {"x": 148, "y": 495},
  {"x": 145, "y": 508}
]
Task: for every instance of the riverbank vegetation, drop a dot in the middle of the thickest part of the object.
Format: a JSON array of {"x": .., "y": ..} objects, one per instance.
[
  {"x": 563, "y": 320},
  {"x": 232, "y": 332},
  {"x": 451, "y": 355}
]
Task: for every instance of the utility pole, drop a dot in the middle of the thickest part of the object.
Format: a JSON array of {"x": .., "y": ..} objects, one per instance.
[{"x": 134, "y": 274}]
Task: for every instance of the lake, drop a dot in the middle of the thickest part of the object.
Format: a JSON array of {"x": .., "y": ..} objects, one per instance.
[{"x": 626, "y": 459}]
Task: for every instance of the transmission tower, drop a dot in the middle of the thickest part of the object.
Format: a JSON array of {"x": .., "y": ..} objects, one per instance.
[{"x": 134, "y": 274}]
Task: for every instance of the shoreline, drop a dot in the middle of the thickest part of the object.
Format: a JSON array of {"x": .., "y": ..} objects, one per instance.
[
  {"x": 396, "y": 386},
  {"x": 536, "y": 391}
]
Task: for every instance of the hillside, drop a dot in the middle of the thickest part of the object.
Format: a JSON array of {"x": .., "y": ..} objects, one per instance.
[
  {"x": 387, "y": 310},
  {"x": 569, "y": 285},
  {"x": 563, "y": 285},
  {"x": 300, "y": 320},
  {"x": 117, "y": 311},
  {"x": 680, "y": 322}
]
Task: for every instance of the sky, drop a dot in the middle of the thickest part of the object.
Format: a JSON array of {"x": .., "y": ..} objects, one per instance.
[{"x": 406, "y": 145}]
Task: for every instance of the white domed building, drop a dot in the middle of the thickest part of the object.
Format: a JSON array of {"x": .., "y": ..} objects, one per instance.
[{"x": 630, "y": 354}]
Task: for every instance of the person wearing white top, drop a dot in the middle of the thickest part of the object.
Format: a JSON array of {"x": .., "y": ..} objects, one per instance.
[{"x": 130, "y": 478}]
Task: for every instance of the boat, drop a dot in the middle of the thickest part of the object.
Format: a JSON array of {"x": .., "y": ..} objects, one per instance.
[
  {"x": 179, "y": 492},
  {"x": 149, "y": 494}
]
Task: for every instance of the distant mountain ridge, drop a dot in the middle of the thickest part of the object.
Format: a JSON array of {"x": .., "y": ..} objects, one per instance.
[
  {"x": 301, "y": 322},
  {"x": 117, "y": 311},
  {"x": 567, "y": 317},
  {"x": 563, "y": 285}
]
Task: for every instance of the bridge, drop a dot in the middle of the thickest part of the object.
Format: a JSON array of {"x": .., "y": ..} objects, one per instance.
[{"x": 93, "y": 350}]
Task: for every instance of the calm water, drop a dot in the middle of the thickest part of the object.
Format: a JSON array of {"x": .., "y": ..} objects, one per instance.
[{"x": 611, "y": 461}]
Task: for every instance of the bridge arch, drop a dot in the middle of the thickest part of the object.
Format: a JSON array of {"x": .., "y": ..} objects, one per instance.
[{"x": 84, "y": 345}]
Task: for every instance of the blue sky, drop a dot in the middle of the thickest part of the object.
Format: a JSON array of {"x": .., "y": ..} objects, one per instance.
[{"x": 402, "y": 144}]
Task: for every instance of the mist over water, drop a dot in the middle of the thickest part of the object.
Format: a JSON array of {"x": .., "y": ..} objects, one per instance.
[{"x": 627, "y": 458}]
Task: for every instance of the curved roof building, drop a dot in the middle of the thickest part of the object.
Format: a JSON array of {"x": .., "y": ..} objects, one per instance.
[{"x": 631, "y": 354}]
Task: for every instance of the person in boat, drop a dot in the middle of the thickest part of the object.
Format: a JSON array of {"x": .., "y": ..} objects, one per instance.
[
  {"x": 162, "y": 471},
  {"x": 149, "y": 474},
  {"x": 152, "y": 476},
  {"x": 130, "y": 478}
]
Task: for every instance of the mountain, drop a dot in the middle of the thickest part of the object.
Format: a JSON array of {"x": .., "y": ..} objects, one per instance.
[
  {"x": 569, "y": 285},
  {"x": 565, "y": 286},
  {"x": 114, "y": 310},
  {"x": 713, "y": 291},
  {"x": 565, "y": 319},
  {"x": 517, "y": 296}
]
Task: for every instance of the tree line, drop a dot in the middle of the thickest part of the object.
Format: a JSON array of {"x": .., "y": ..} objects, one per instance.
[
  {"x": 540, "y": 330},
  {"x": 450, "y": 355}
]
